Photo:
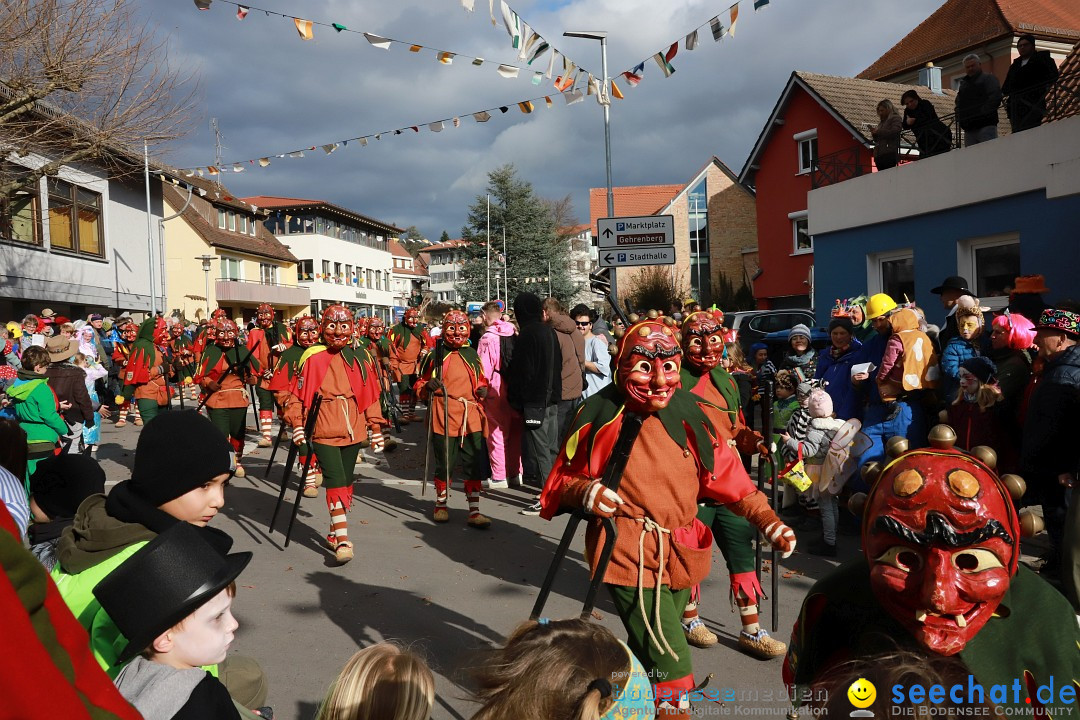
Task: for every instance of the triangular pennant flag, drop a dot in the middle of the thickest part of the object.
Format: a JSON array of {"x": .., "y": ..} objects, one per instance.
[
  {"x": 491, "y": 11},
  {"x": 211, "y": 169},
  {"x": 263, "y": 162},
  {"x": 574, "y": 96},
  {"x": 537, "y": 77},
  {"x": 504, "y": 109},
  {"x": 446, "y": 58},
  {"x": 508, "y": 71},
  {"x": 416, "y": 48},
  {"x": 691, "y": 40},
  {"x": 551, "y": 63},
  {"x": 378, "y": 136},
  {"x": 397, "y": 132},
  {"x": 526, "y": 106},
  {"x": 512, "y": 23},
  {"x": 363, "y": 142},
  {"x": 338, "y": 26},
  {"x": 202, "y": 193},
  {"x": 758, "y": 4},
  {"x": 457, "y": 122},
  {"x": 238, "y": 168},
  {"x": 467, "y": 4},
  {"x": 241, "y": 12},
  {"x": 734, "y": 17},
  {"x": 526, "y": 36},
  {"x": 717, "y": 28},
  {"x": 482, "y": 116},
  {"x": 664, "y": 60},
  {"x": 305, "y": 28},
  {"x": 378, "y": 41},
  {"x": 203, "y": 4},
  {"x": 615, "y": 91},
  {"x": 592, "y": 85},
  {"x": 548, "y": 101},
  {"x": 535, "y": 46},
  {"x": 435, "y": 126},
  {"x": 329, "y": 148},
  {"x": 478, "y": 61},
  {"x": 634, "y": 75},
  {"x": 297, "y": 154},
  {"x": 199, "y": 172},
  {"x": 414, "y": 128}
]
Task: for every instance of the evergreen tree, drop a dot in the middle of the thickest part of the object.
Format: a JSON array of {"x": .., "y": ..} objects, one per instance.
[
  {"x": 532, "y": 244},
  {"x": 445, "y": 237}
]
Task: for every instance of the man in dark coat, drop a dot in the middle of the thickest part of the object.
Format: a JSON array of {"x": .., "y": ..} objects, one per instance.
[
  {"x": 977, "y": 101},
  {"x": 1050, "y": 455},
  {"x": 534, "y": 381},
  {"x": 1030, "y": 76}
]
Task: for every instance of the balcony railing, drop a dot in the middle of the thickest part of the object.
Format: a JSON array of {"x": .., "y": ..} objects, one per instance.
[{"x": 254, "y": 291}]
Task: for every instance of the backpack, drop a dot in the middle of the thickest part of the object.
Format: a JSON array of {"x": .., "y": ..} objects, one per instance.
[{"x": 506, "y": 352}]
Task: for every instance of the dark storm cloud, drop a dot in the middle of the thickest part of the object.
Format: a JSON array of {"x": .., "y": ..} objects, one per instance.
[{"x": 272, "y": 93}]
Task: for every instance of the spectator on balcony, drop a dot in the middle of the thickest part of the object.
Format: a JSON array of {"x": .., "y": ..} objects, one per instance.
[
  {"x": 931, "y": 135},
  {"x": 1030, "y": 76},
  {"x": 977, "y": 102},
  {"x": 886, "y": 135}
]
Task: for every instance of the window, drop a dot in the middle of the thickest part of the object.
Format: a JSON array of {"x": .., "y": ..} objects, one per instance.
[
  {"x": 230, "y": 268},
  {"x": 74, "y": 218},
  {"x": 268, "y": 274},
  {"x": 892, "y": 273},
  {"x": 242, "y": 224},
  {"x": 801, "y": 239},
  {"x": 337, "y": 273},
  {"x": 232, "y": 221},
  {"x": 348, "y": 275},
  {"x": 251, "y": 226},
  {"x": 368, "y": 279},
  {"x": 20, "y": 217},
  {"x": 992, "y": 264},
  {"x": 305, "y": 270},
  {"x": 807, "y": 145},
  {"x": 326, "y": 270},
  {"x": 221, "y": 218}
]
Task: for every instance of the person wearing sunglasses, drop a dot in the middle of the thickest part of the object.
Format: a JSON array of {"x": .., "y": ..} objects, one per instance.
[{"x": 597, "y": 365}]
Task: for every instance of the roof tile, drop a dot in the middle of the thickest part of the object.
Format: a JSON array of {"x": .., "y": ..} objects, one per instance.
[
  {"x": 262, "y": 244},
  {"x": 631, "y": 201}
]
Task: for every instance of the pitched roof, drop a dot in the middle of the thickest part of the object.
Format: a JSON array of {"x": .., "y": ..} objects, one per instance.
[
  {"x": 851, "y": 101},
  {"x": 397, "y": 250},
  {"x": 274, "y": 202},
  {"x": 448, "y": 245},
  {"x": 1067, "y": 98},
  {"x": 960, "y": 25},
  {"x": 262, "y": 244},
  {"x": 631, "y": 201}
]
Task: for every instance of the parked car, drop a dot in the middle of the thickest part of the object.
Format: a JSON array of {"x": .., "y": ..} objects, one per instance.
[
  {"x": 753, "y": 325},
  {"x": 777, "y": 342}
]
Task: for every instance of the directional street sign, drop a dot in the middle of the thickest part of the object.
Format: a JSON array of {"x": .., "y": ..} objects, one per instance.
[
  {"x": 630, "y": 257},
  {"x": 651, "y": 231}
]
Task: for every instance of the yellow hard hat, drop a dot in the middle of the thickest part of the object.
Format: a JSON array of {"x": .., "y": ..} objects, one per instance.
[
  {"x": 14, "y": 330},
  {"x": 879, "y": 305}
]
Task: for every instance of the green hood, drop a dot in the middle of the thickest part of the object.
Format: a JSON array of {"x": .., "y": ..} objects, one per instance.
[
  {"x": 21, "y": 391},
  {"x": 96, "y": 536}
]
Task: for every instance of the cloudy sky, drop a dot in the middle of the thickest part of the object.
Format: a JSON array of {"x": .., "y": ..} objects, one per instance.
[{"x": 272, "y": 93}]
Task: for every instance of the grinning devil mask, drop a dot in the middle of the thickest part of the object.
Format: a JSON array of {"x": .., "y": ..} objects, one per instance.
[
  {"x": 362, "y": 325},
  {"x": 176, "y": 330},
  {"x": 337, "y": 327},
  {"x": 375, "y": 329},
  {"x": 225, "y": 333},
  {"x": 412, "y": 317},
  {"x": 647, "y": 366},
  {"x": 129, "y": 331},
  {"x": 455, "y": 329},
  {"x": 702, "y": 341},
  {"x": 942, "y": 540},
  {"x": 307, "y": 331},
  {"x": 264, "y": 316},
  {"x": 161, "y": 332}
]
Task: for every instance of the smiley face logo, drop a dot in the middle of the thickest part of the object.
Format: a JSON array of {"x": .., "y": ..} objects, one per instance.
[{"x": 862, "y": 693}]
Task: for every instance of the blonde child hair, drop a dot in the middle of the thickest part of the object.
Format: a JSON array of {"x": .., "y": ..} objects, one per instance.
[
  {"x": 738, "y": 360},
  {"x": 381, "y": 682},
  {"x": 548, "y": 670}
]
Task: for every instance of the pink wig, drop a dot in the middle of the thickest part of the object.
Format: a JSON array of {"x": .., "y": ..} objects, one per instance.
[{"x": 1019, "y": 331}]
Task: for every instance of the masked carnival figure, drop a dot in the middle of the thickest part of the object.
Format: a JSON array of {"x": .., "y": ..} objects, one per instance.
[
  {"x": 268, "y": 339},
  {"x": 224, "y": 373},
  {"x": 407, "y": 343}
]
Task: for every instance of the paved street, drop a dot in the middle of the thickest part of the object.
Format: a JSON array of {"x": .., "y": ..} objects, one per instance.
[{"x": 447, "y": 591}]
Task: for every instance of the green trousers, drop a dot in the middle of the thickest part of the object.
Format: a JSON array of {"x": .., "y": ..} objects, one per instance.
[
  {"x": 661, "y": 668},
  {"x": 337, "y": 463},
  {"x": 266, "y": 399},
  {"x": 734, "y": 536},
  {"x": 471, "y": 450},
  {"x": 149, "y": 408},
  {"x": 230, "y": 421}
]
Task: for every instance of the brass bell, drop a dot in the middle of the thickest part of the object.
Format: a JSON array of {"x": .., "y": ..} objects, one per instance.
[
  {"x": 942, "y": 437},
  {"x": 896, "y": 446},
  {"x": 633, "y": 318},
  {"x": 1015, "y": 485},
  {"x": 1030, "y": 523},
  {"x": 678, "y": 337},
  {"x": 986, "y": 455},
  {"x": 653, "y": 314},
  {"x": 857, "y": 503},
  {"x": 870, "y": 471}
]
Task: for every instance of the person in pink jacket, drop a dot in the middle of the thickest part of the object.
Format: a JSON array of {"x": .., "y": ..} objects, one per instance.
[{"x": 504, "y": 444}]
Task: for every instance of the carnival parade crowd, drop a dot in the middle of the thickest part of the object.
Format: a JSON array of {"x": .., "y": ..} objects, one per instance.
[{"x": 940, "y": 447}]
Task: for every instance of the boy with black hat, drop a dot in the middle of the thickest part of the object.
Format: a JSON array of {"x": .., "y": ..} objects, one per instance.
[
  {"x": 167, "y": 486},
  {"x": 57, "y": 488},
  {"x": 182, "y": 621}
]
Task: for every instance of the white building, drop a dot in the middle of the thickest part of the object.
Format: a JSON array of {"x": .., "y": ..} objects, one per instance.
[
  {"x": 447, "y": 261},
  {"x": 344, "y": 257},
  {"x": 583, "y": 260},
  {"x": 76, "y": 242},
  {"x": 410, "y": 278}
]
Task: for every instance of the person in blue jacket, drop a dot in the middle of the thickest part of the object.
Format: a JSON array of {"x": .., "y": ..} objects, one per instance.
[{"x": 834, "y": 367}]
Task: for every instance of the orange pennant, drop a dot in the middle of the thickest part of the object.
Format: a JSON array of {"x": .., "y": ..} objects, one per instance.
[{"x": 304, "y": 27}]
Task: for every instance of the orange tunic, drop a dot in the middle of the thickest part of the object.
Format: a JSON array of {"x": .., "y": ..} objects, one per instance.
[
  {"x": 155, "y": 388},
  {"x": 341, "y": 422},
  {"x": 729, "y": 426},
  {"x": 232, "y": 394},
  {"x": 465, "y": 409},
  {"x": 404, "y": 359}
]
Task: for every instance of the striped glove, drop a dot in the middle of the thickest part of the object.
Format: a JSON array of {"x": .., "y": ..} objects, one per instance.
[{"x": 298, "y": 436}]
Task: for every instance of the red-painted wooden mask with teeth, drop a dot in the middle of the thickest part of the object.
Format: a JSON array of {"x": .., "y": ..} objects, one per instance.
[
  {"x": 702, "y": 341},
  {"x": 337, "y": 327},
  {"x": 307, "y": 331},
  {"x": 225, "y": 333},
  {"x": 942, "y": 540},
  {"x": 455, "y": 329},
  {"x": 376, "y": 328},
  {"x": 412, "y": 317},
  {"x": 647, "y": 366},
  {"x": 264, "y": 316}
]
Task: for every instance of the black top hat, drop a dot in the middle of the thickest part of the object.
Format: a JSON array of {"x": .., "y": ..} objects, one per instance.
[
  {"x": 165, "y": 581},
  {"x": 953, "y": 282}
]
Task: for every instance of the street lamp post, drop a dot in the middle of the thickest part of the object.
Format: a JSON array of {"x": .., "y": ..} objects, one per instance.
[
  {"x": 602, "y": 37},
  {"x": 206, "y": 263}
]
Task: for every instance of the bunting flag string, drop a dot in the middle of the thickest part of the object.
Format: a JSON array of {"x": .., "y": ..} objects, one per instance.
[
  {"x": 527, "y": 107},
  {"x": 531, "y": 49}
]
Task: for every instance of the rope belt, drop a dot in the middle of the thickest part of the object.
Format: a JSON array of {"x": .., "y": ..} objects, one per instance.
[
  {"x": 345, "y": 409},
  {"x": 648, "y": 525},
  {"x": 464, "y": 421},
  {"x": 235, "y": 389}
]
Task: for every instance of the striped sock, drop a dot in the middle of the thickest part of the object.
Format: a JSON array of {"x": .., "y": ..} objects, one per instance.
[
  {"x": 339, "y": 525},
  {"x": 266, "y": 420},
  {"x": 690, "y": 614},
  {"x": 377, "y": 441},
  {"x": 749, "y": 616},
  {"x": 135, "y": 407},
  {"x": 440, "y": 493}
]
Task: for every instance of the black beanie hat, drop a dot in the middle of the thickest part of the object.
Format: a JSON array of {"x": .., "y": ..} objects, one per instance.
[
  {"x": 982, "y": 368},
  {"x": 844, "y": 322},
  {"x": 178, "y": 451},
  {"x": 527, "y": 307},
  {"x": 61, "y": 482}
]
